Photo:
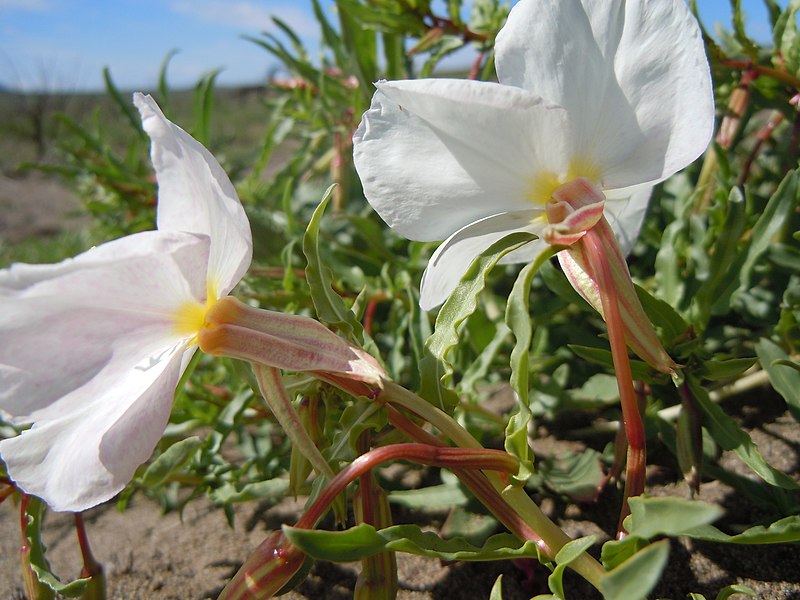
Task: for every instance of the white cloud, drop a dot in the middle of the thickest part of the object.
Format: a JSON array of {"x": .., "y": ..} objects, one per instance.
[
  {"x": 247, "y": 16},
  {"x": 27, "y": 5}
]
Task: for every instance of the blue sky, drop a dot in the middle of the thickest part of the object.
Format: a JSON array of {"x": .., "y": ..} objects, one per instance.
[{"x": 64, "y": 44}]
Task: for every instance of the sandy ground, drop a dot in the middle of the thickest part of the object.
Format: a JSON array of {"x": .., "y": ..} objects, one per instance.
[{"x": 33, "y": 204}]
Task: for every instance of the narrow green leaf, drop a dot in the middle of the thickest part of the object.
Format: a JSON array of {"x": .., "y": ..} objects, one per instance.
[
  {"x": 730, "y": 436},
  {"x": 364, "y": 540},
  {"x": 330, "y": 307},
  {"x": 778, "y": 209},
  {"x": 568, "y": 553},
  {"x": 518, "y": 319},
  {"x": 716, "y": 370},
  {"x": 785, "y": 379},
  {"x": 257, "y": 490},
  {"x": 739, "y": 29},
  {"x": 732, "y": 590},
  {"x": 38, "y": 562},
  {"x": 714, "y": 294},
  {"x": 435, "y": 368},
  {"x": 639, "y": 369},
  {"x": 170, "y": 461},
  {"x": 163, "y": 86},
  {"x": 203, "y": 102},
  {"x": 435, "y": 497},
  {"x": 352, "y": 544},
  {"x": 497, "y": 589},
  {"x": 662, "y": 315},
  {"x": 637, "y": 576},
  {"x": 124, "y": 104},
  {"x": 782, "y": 531}
]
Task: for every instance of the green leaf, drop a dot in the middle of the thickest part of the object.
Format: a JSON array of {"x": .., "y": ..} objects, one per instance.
[
  {"x": 518, "y": 319},
  {"x": 350, "y": 545},
  {"x": 568, "y": 553},
  {"x": 435, "y": 368},
  {"x": 435, "y": 497},
  {"x": 124, "y": 105},
  {"x": 258, "y": 490},
  {"x": 203, "y": 102},
  {"x": 785, "y": 379},
  {"x": 637, "y": 576},
  {"x": 716, "y": 370},
  {"x": 732, "y": 590},
  {"x": 730, "y": 436},
  {"x": 639, "y": 369},
  {"x": 714, "y": 295},
  {"x": 497, "y": 589},
  {"x": 330, "y": 307},
  {"x": 739, "y": 30},
  {"x": 783, "y": 531},
  {"x": 170, "y": 461},
  {"x": 771, "y": 221},
  {"x": 364, "y": 540},
  {"x": 163, "y": 86},
  {"x": 662, "y": 315},
  {"x": 38, "y": 562},
  {"x": 578, "y": 476},
  {"x": 668, "y": 516}
]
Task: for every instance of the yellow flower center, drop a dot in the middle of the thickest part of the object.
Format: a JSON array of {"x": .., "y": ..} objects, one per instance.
[
  {"x": 545, "y": 183},
  {"x": 190, "y": 318}
]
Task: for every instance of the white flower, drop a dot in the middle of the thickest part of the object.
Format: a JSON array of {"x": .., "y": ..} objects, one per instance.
[
  {"x": 93, "y": 347},
  {"x": 615, "y": 93}
]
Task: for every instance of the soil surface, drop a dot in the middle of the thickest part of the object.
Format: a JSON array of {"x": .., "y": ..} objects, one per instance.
[
  {"x": 150, "y": 556},
  {"x": 32, "y": 204}
]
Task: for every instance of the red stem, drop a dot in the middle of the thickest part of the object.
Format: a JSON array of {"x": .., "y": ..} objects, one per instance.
[
  {"x": 476, "y": 482},
  {"x": 369, "y": 315},
  {"x": 631, "y": 417},
  {"x": 90, "y": 566},
  {"x": 494, "y": 460},
  {"x": 778, "y": 74}
]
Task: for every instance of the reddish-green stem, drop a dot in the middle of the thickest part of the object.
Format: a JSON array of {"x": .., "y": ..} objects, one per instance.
[
  {"x": 476, "y": 482},
  {"x": 91, "y": 568},
  {"x": 631, "y": 417},
  {"x": 495, "y": 460}
]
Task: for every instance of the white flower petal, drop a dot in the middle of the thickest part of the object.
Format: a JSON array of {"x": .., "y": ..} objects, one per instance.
[
  {"x": 632, "y": 75},
  {"x": 61, "y": 323},
  {"x": 84, "y": 450},
  {"x": 626, "y": 214},
  {"x": 195, "y": 195},
  {"x": 436, "y": 155},
  {"x": 452, "y": 259}
]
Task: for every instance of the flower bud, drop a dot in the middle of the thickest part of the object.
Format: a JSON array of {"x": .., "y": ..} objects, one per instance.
[{"x": 266, "y": 571}]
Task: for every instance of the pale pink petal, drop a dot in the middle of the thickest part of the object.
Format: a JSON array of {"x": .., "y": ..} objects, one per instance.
[
  {"x": 632, "y": 75},
  {"x": 61, "y": 323},
  {"x": 436, "y": 155},
  {"x": 84, "y": 450},
  {"x": 195, "y": 195},
  {"x": 454, "y": 256}
]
